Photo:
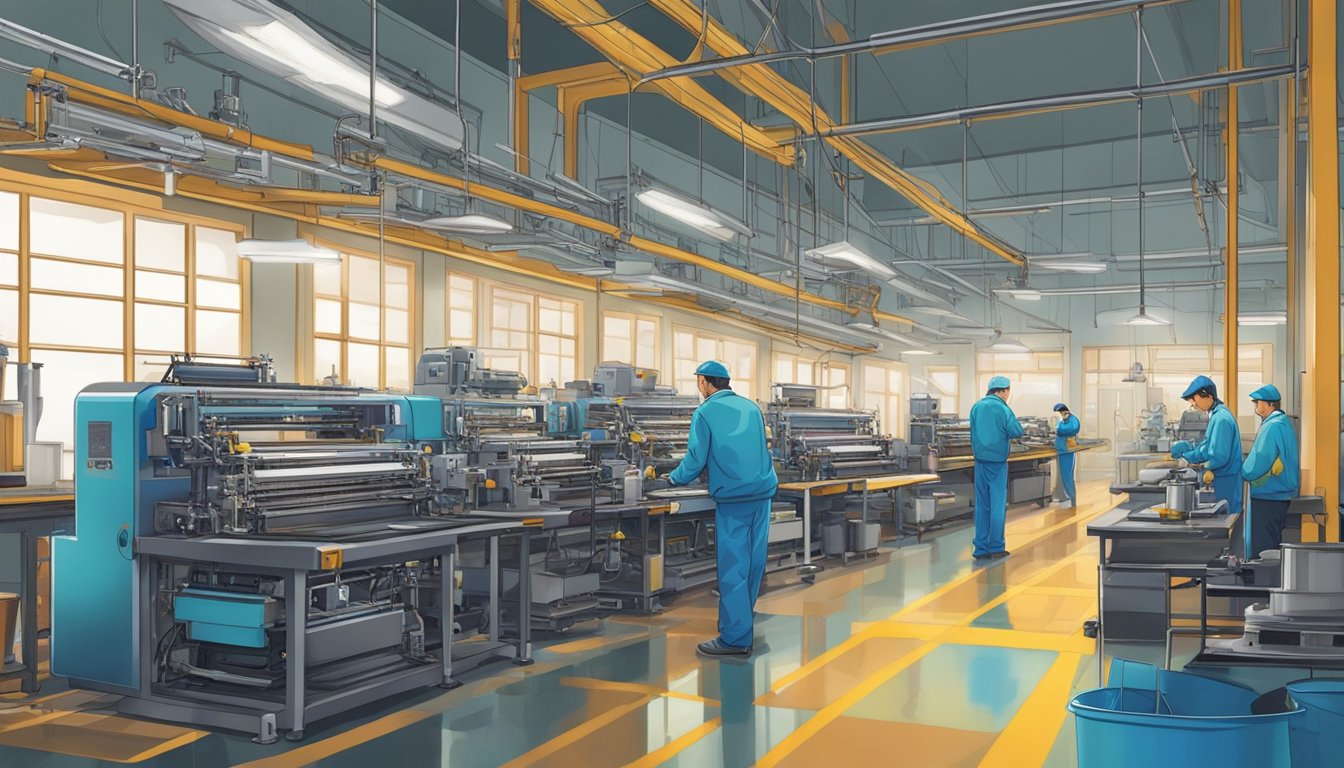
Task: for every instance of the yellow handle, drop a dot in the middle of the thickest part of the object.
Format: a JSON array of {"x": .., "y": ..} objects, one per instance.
[
  {"x": 490, "y": 485},
  {"x": 636, "y": 437}
]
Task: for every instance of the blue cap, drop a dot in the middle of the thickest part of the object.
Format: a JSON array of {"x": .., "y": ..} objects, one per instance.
[
  {"x": 712, "y": 368},
  {"x": 1200, "y": 382},
  {"x": 999, "y": 382},
  {"x": 1060, "y": 407},
  {"x": 1268, "y": 392}
]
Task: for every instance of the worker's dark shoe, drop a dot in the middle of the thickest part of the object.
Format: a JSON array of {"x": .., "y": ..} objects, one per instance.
[
  {"x": 717, "y": 647},
  {"x": 982, "y": 556},
  {"x": 997, "y": 555}
]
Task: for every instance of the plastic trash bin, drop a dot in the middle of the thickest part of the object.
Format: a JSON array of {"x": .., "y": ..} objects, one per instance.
[
  {"x": 1315, "y": 735},
  {"x": 1184, "y": 693}
]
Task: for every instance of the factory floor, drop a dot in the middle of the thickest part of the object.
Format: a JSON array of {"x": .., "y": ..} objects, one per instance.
[{"x": 919, "y": 652}]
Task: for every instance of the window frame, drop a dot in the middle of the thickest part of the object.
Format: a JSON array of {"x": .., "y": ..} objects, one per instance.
[
  {"x": 634, "y": 318},
  {"x": 344, "y": 337}
]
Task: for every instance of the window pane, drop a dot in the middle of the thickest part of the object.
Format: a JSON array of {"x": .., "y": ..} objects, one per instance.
[
  {"x": 520, "y": 316},
  {"x": 75, "y": 231},
  {"x": 364, "y": 279},
  {"x": 707, "y": 349},
  {"x": 213, "y": 293},
  {"x": 327, "y": 279},
  {"x": 216, "y": 253},
  {"x": 9, "y": 319},
  {"x": 161, "y": 328},
  {"x": 327, "y": 316},
  {"x": 460, "y": 327},
  {"x": 549, "y": 319},
  {"x": 160, "y": 244},
  {"x": 9, "y": 269},
  {"x": 9, "y": 220},
  {"x": 327, "y": 359},
  {"x": 363, "y": 321},
  {"x": 616, "y": 351},
  {"x": 75, "y": 322},
  {"x": 396, "y": 287},
  {"x": 549, "y": 345},
  {"x": 75, "y": 278},
  {"x": 64, "y": 374},
  {"x": 362, "y": 364},
  {"x": 218, "y": 333},
  {"x": 156, "y": 285},
  {"x": 398, "y": 368},
  {"x": 683, "y": 344},
  {"x": 398, "y": 326}
]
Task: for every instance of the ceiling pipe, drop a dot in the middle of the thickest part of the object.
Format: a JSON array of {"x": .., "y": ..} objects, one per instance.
[
  {"x": 925, "y": 34},
  {"x": 1024, "y": 107}
]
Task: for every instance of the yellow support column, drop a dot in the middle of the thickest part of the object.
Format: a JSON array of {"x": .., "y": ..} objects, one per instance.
[
  {"x": 1231, "y": 291},
  {"x": 1320, "y": 386}
]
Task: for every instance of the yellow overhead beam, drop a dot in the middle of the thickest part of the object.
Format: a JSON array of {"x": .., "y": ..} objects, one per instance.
[
  {"x": 570, "y": 99},
  {"x": 763, "y": 82},
  {"x": 633, "y": 52},
  {"x": 1320, "y": 384}
]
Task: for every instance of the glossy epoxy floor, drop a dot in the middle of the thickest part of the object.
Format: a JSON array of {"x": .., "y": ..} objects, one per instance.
[{"x": 918, "y": 653}]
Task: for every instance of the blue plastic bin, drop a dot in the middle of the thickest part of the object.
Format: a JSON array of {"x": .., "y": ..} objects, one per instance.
[
  {"x": 1315, "y": 736},
  {"x": 1189, "y": 720}
]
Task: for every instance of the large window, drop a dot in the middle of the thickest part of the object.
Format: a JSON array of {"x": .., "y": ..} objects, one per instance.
[
  {"x": 884, "y": 391},
  {"x": 692, "y": 347},
  {"x": 533, "y": 334},
  {"x": 1038, "y": 378},
  {"x": 362, "y": 322},
  {"x": 110, "y": 291},
  {"x": 792, "y": 368},
  {"x": 945, "y": 381},
  {"x": 629, "y": 338},
  {"x": 461, "y": 311}
]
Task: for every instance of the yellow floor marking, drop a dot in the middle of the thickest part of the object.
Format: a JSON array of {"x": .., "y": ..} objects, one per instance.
[
  {"x": 1032, "y": 732},
  {"x": 593, "y": 643},
  {"x": 319, "y": 750},
  {"x": 167, "y": 746},
  {"x": 676, "y": 746},
  {"x": 593, "y": 684},
  {"x": 573, "y": 735}
]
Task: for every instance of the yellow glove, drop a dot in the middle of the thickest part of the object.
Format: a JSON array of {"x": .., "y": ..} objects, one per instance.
[
  {"x": 1207, "y": 477},
  {"x": 1277, "y": 469},
  {"x": 1072, "y": 443},
  {"x": 650, "y": 473}
]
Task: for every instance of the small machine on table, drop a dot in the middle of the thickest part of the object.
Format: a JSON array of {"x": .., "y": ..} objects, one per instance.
[
  {"x": 1152, "y": 446},
  {"x": 256, "y": 556},
  {"x": 500, "y": 463}
]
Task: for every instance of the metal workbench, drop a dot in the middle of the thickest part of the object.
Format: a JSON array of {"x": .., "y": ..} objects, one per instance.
[
  {"x": 864, "y": 485},
  {"x": 31, "y": 514},
  {"x": 293, "y": 560},
  {"x": 1180, "y": 548}
]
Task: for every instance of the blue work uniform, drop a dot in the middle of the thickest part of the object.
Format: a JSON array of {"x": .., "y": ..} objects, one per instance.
[
  {"x": 1065, "y": 431},
  {"x": 1263, "y": 524},
  {"x": 728, "y": 438},
  {"x": 1220, "y": 453},
  {"x": 993, "y": 424}
]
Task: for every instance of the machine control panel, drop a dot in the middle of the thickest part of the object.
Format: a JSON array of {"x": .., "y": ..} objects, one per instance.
[{"x": 100, "y": 445}]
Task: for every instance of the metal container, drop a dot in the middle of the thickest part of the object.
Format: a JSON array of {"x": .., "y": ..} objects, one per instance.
[
  {"x": 1306, "y": 604},
  {"x": 1313, "y": 567},
  {"x": 1181, "y": 494}
]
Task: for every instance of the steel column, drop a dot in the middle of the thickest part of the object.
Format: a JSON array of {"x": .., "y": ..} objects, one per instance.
[{"x": 1233, "y": 176}]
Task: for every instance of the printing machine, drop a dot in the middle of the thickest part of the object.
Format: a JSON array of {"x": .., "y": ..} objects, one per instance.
[
  {"x": 255, "y": 556},
  {"x": 815, "y": 443},
  {"x": 500, "y": 461}
]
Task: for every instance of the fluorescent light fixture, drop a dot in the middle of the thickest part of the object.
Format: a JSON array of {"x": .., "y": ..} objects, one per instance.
[
  {"x": 716, "y": 224},
  {"x": 1143, "y": 318},
  {"x": 471, "y": 223},
  {"x": 1079, "y": 266},
  {"x": 989, "y": 213},
  {"x": 1268, "y": 318},
  {"x": 845, "y": 255},
  {"x": 917, "y": 352},
  {"x": 285, "y": 252},
  {"x": 1008, "y": 344},
  {"x": 278, "y": 42},
  {"x": 939, "y": 312},
  {"x": 1021, "y": 294}
]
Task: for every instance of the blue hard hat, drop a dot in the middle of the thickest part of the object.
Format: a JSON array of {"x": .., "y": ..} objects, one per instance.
[
  {"x": 999, "y": 382},
  {"x": 712, "y": 368},
  {"x": 1060, "y": 407},
  {"x": 1200, "y": 382},
  {"x": 1268, "y": 392}
]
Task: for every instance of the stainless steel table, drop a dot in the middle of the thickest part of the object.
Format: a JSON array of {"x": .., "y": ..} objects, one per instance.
[
  {"x": 32, "y": 513},
  {"x": 1175, "y": 548}
]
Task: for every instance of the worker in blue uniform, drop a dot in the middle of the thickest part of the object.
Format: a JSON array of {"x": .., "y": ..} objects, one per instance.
[
  {"x": 1066, "y": 440},
  {"x": 993, "y": 426},
  {"x": 1220, "y": 450},
  {"x": 727, "y": 439},
  {"x": 1273, "y": 470}
]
